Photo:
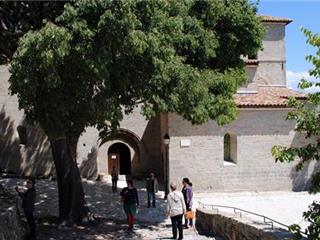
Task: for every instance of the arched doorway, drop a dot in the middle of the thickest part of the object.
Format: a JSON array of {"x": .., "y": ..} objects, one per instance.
[{"x": 120, "y": 157}]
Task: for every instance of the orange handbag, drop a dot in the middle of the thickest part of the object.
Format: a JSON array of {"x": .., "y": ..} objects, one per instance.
[{"x": 189, "y": 215}]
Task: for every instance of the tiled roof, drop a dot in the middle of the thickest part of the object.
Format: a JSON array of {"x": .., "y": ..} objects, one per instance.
[
  {"x": 265, "y": 18},
  {"x": 266, "y": 96}
]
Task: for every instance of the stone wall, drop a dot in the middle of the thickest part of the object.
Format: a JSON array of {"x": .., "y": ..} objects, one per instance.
[
  {"x": 31, "y": 159},
  {"x": 228, "y": 227},
  {"x": 271, "y": 69},
  {"x": 257, "y": 131},
  {"x": 10, "y": 225},
  {"x": 35, "y": 157},
  {"x": 141, "y": 136}
]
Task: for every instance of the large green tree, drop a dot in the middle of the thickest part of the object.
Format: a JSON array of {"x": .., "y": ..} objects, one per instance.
[
  {"x": 102, "y": 58},
  {"x": 307, "y": 116}
]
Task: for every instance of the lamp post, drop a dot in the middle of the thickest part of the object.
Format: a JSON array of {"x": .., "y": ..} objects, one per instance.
[{"x": 166, "y": 141}]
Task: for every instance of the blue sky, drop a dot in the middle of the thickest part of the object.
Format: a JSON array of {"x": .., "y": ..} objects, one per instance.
[{"x": 304, "y": 13}]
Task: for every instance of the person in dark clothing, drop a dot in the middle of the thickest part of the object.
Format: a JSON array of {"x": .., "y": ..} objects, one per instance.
[
  {"x": 188, "y": 197},
  {"x": 152, "y": 189},
  {"x": 28, "y": 199},
  {"x": 114, "y": 178},
  {"x": 130, "y": 200}
]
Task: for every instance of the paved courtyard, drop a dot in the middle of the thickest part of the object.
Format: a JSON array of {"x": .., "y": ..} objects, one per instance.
[
  {"x": 285, "y": 207},
  {"x": 106, "y": 206}
]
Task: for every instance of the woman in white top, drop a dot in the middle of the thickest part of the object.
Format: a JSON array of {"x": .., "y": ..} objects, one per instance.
[{"x": 176, "y": 207}]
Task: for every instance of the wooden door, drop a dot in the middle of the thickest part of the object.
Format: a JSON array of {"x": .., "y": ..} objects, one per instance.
[{"x": 113, "y": 160}]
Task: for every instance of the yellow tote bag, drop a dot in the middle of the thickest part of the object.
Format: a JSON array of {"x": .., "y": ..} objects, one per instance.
[{"x": 189, "y": 215}]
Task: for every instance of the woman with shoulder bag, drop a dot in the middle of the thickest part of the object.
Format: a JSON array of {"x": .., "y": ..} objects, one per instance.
[{"x": 188, "y": 197}]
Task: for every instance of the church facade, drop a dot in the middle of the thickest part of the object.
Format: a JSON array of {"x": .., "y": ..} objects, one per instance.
[{"x": 234, "y": 157}]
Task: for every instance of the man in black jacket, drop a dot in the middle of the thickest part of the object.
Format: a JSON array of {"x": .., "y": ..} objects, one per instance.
[
  {"x": 152, "y": 189},
  {"x": 28, "y": 199}
]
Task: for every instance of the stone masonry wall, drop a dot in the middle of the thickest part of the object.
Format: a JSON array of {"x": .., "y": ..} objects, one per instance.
[
  {"x": 256, "y": 133},
  {"x": 271, "y": 69},
  {"x": 147, "y": 136},
  {"x": 35, "y": 158},
  {"x": 32, "y": 159},
  {"x": 228, "y": 227}
]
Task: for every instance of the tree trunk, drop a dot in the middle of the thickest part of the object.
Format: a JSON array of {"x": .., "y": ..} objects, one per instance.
[
  {"x": 72, "y": 206},
  {"x": 79, "y": 209}
]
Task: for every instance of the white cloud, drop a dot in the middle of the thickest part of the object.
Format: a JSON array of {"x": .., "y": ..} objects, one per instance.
[{"x": 293, "y": 78}]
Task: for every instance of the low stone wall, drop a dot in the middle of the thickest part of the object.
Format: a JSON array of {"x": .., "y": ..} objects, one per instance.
[
  {"x": 10, "y": 225},
  {"x": 229, "y": 227}
]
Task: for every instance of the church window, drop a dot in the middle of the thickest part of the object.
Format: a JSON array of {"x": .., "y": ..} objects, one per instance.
[{"x": 230, "y": 148}]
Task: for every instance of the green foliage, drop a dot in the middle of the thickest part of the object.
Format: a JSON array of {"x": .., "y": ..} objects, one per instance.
[
  {"x": 306, "y": 115},
  {"x": 296, "y": 230},
  {"x": 18, "y": 17},
  {"x": 100, "y": 59},
  {"x": 313, "y": 217}
]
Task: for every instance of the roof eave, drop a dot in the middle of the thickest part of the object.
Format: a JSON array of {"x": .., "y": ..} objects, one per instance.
[{"x": 271, "y": 19}]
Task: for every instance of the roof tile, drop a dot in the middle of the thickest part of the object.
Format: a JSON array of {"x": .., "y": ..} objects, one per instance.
[
  {"x": 267, "y": 96},
  {"x": 265, "y": 18}
]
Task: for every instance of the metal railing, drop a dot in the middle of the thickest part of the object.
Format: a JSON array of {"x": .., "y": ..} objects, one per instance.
[{"x": 239, "y": 211}]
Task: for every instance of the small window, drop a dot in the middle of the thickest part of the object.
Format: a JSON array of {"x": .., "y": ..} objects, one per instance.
[
  {"x": 230, "y": 148},
  {"x": 22, "y": 131}
]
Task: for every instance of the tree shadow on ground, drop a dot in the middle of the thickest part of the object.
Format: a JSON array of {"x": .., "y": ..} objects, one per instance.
[
  {"x": 106, "y": 204},
  {"x": 110, "y": 220},
  {"x": 100, "y": 229}
]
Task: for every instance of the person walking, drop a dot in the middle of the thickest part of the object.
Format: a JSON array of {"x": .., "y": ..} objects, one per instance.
[
  {"x": 130, "y": 200},
  {"x": 188, "y": 197},
  {"x": 175, "y": 209},
  {"x": 28, "y": 199},
  {"x": 152, "y": 189},
  {"x": 114, "y": 179}
]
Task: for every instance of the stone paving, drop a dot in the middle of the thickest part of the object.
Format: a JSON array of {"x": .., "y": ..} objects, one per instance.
[
  {"x": 107, "y": 208},
  {"x": 286, "y": 207}
]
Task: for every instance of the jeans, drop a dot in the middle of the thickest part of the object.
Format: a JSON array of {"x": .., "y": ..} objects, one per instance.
[
  {"x": 114, "y": 185},
  {"x": 31, "y": 223},
  {"x": 177, "y": 224},
  {"x": 152, "y": 196},
  {"x": 188, "y": 222}
]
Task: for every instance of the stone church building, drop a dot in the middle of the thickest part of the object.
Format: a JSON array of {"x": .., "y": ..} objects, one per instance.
[{"x": 234, "y": 157}]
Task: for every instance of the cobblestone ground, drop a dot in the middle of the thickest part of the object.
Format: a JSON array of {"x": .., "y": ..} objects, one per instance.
[{"x": 106, "y": 206}]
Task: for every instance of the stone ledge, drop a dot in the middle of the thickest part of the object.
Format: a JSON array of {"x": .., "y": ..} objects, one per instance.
[
  {"x": 230, "y": 227},
  {"x": 10, "y": 225}
]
